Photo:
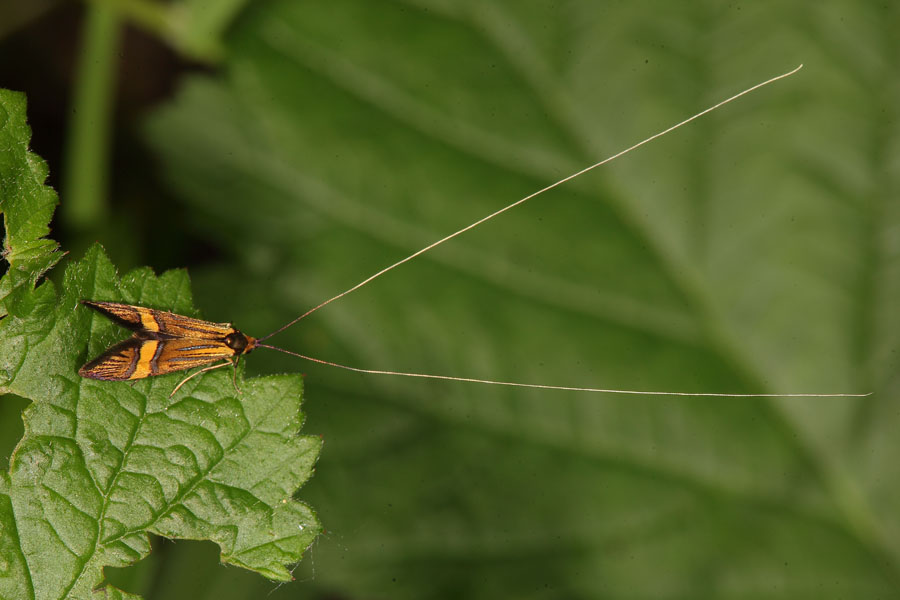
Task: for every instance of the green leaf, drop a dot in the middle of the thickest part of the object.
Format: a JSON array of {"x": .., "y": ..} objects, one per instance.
[
  {"x": 26, "y": 203},
  {"x": 200, "y": 25},
  {"x": 102, "y": 464},
  {"x": 112, "y": 593},
  {"x": 746, "y": 253}
]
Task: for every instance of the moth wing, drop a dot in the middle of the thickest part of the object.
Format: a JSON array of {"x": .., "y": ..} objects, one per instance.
[
  {"x": 179, "y": 326},
  {"x": 126, "y": 315},
  {"x": 159, "y": 323},
  {"x": 186, "y": 353},
  {"x": 118, "y": 363}
]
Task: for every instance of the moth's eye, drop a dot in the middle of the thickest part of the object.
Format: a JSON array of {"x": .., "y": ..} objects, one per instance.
[{"x": 237, "y": 341}]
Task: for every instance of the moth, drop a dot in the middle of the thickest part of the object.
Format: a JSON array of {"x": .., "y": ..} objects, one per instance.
[{"x": 165, "y": 342}]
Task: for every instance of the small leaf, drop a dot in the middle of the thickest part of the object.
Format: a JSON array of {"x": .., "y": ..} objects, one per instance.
[
  {"x": 102, "y": 464},
  {"x": 26, "y": 203}
]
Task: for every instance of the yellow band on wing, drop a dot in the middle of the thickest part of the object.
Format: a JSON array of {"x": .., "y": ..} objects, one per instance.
[
  {"x": 148, "y": 321},
  {"x": 144, "y": 368}
]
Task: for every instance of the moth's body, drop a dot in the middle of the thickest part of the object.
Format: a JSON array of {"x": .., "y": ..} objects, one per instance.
[{"x": 163, "y": 342}]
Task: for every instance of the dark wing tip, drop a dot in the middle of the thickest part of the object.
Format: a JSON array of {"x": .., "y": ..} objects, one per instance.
[
  {"x": 97, "y": 370},
  {"x": 98, "y": 306},
  {"x": 85, "y": 372},
  {"x": 89, "y": 370}
]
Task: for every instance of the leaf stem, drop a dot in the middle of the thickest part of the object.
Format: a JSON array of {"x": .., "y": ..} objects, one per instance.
[{"x": 86, "y": 161}]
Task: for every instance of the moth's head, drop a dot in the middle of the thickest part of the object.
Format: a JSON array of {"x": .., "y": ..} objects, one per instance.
[{"x": 240, "y": 343}]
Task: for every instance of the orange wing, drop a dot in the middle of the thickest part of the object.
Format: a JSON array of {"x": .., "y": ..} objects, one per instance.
[
  {"x": 116, "y": 364},
  {"x": 137, "y": 357},
  {"x": 187, "y": 353},
  {"x": 160, "y": 322}
]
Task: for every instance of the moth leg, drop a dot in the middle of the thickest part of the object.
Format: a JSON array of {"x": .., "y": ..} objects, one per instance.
[
  {"x": 192, "y": 375},
  {"x": 234, "y": 374}
]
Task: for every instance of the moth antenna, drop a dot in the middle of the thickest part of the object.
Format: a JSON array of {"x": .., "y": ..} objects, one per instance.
[
  {"x": 557, "y": 387},
  {"x": 529, "y": 197}
]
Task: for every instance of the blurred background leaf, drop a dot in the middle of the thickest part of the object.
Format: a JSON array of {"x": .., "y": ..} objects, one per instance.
[{"x": 756, "y": 250}]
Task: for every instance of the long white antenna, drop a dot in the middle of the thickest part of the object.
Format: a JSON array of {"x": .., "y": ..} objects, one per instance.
[
  {"x": 529, "y": 197},
  {"x": 556, "y": 387},
  {"x": 257, "y": 343}
]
